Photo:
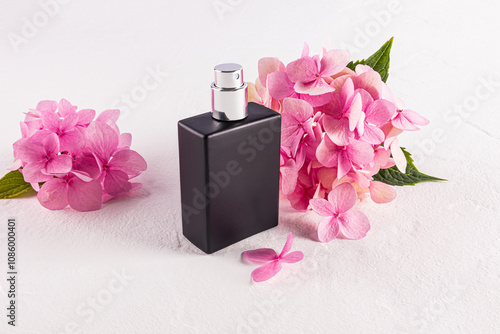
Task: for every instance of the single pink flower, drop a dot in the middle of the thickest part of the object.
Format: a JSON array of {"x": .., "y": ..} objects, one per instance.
[
  {"x": 312, "y": 75},
  {"x": 70, "y": 137},
  {"x": 272, "y": 260},
  {"x": 377, "y": 113},
  {"x": 58, "y": 193},
  {"x": 355, "y": 153},
  {"x": 118, "y": 165},
  {"x": 344, "y": 114},
  {"x": 408, "y": 120},
  {"x": 85, "y": 116},
  {"x": 352, "y": 224},
  {"x": 296, "y": 120},
  {"x": 42, "y": 158}
]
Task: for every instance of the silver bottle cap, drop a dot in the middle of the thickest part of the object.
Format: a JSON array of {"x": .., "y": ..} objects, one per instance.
[{"x": 229, "y": 93}]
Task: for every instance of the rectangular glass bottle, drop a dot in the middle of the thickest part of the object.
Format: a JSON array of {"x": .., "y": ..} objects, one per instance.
[{"x": 229, "y": 168}]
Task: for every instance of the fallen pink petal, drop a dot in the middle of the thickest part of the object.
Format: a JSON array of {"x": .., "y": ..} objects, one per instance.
[{"x": 272, "y": 261}]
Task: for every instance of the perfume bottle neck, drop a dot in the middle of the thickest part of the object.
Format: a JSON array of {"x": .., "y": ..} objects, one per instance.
[{"x": 229, "y": 93}]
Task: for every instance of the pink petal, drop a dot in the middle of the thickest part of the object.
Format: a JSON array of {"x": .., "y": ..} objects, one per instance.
[
  {"x": 381, "y": 192},
  {"x": 354, "y": 224},
  {"x": 402, "y": 123},
  {"x": 337, "y": 130},
  {"x": 47, "y": 105},
  {"x": 261, "y": 255},
  {"x": 315, "y": 87},
  {"x": 85, "y": 116},
  {"x": 32, "y": 172},
  {"x": 279, "y": 85},
  {"x": 125, "y": 140},
  {"x": 53, "y": 194},
  {"x": 328, "y": 229},
  {"x": 305, "y": 50},
  {"x": 289, "y": 175},
  {"x": 354, "y": 112},
  {"x": 35, "y": 186},
  {"x": 327, "y": 152},
  {"x": 38, "y": 137},
  {"x": 382, "y": 156},
  {"x": 344, "y": 164},
  {"x": 65, "y": 108},
  {"x": 380, "y": 111},
  {"x": 366, "y": 98},
  {"x": 288, "y": 245},
  {"x": 360, "y": 153},
  {"x": 59, "y": 164},
  {"x": 84, "y": 196},
  {"x": 267, "y": 66},
  {"x": 371, "y": 82},
  {"x": 334, "y": 61},
  {"x": 291, "y": 133},
  {"x": 85, "y": 162},
  {"x": 342, "y": 198},
  {"x": 346, "y": 92},
  {"x": 335, "y": 107},
  {"x": 267, "y": 271},
  {"x": 102, "y": 140},
  {"x": 69, "y": 122},
  {"x": 299, "y": 109},
  {"x": 128, "y": 161},
  {"x": 292, "y": 257},
  {"x": 322, "y": 207},
  {"x": 303, "y": 69},
  {"x": 362, "y": 179},
  {"x": 299, "y": 199},
  {"x": 109, "y": 116},
  {"x": 51, "y": 121},
  {"x": 28, "y": 151},
  {"x": 71, "y": 140},
  {"x": 372, "y": 135},
  {"x": 116, "y": 182},
  {"x": 316, "y": 100},
  {"x": 51, "y": 144},
  {"x": 414, "y": 117},
  {"x": 398, "y": 155}
]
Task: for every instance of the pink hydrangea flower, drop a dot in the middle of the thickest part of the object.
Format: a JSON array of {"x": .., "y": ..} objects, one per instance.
[
  {"x": 82, "y": 162},
  {"x": 312, "y": 75},
  {"x": 273, "y": 261},
  {"x": 58, "y": 193},
  {"x": 355, "y": 153},
  {"x": 42, "y": 159},
  {"x": 350, "y": 134},
  {"x": 338, "y": 215},
  {"x": 344, "y": 114},
  {"x": 117, "y": 164},
  {"x": 408, "y": 120}
]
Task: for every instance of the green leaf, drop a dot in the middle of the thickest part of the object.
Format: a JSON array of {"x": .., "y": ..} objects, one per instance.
[
  {"x": 13, "y": 185},
  {"x": 379, "y": 61},
  {"x": 394, "y": 177}
]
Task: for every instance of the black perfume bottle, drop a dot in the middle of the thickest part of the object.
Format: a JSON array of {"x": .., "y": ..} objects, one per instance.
[{"x": 229, "y": 166}]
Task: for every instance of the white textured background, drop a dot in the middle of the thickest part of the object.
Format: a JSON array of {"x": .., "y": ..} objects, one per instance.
[{"x": 430, "y": 263}]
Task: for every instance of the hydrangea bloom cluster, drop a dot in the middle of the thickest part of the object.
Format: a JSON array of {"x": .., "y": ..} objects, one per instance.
[
  {"x": 78, "y": 160},
  {"x": 338, "y": 126}
]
